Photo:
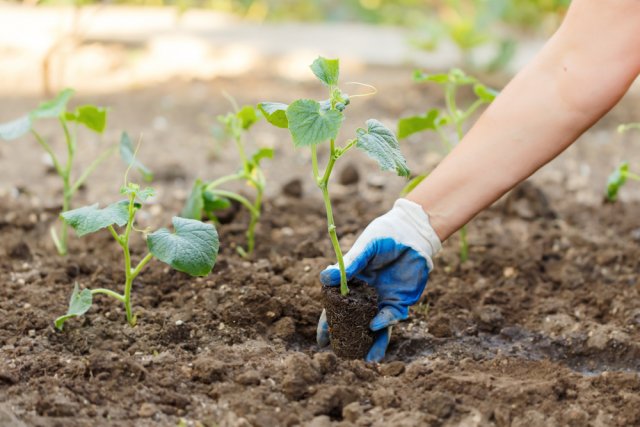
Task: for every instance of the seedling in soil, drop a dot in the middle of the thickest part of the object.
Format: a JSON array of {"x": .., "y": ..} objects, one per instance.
[
  {"x": 446, "y": 121},
  {"x": 92, "y": 117},
  {"x": 622, "y": 173},
  {"x": 207, "y": 198},
  {"x": 192, "y": 248},
  {"x": 312, "y": 122}
]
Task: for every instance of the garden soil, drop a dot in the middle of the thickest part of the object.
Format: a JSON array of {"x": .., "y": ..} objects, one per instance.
[{"x": 539, "y": 328}]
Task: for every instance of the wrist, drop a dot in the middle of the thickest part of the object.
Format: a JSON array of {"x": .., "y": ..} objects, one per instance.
[{"x": 414, "y": 215}]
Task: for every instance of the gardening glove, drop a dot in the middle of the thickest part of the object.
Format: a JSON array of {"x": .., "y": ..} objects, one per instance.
[{"x": 393, "y": 254}]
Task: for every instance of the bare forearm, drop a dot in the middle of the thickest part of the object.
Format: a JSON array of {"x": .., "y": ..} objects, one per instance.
[{"x": 578, "y": 76}]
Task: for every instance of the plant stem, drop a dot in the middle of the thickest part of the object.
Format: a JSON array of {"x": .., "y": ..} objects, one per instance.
[
  {"x": 108, "y": 292},
  {"x": 238, "y": 198},
  {"x": 92, "y": 167},
  {"x": 450, "y": 99},
  {"x": 464, "y": 245},
  {"x": 323, "y": 183}
]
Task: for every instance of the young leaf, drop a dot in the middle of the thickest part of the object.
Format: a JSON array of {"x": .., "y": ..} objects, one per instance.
[
  {"x": 127, "y": 153},
  {"x": 79, "y": 304},
  {"x": 275, "y": 113},
  {"x": 94, "y": 118},
  {"x": 15, "y": 128},
  {"x": 195, "y": 204},
  {"x": 53, "y": 108},
  {"x": 309, "y": 125},
  {"x": 327, "y": 70},
  {"x": 419, "y": 76},
  {"x": 484, "y": 93},
  {"x": 214, "y": 203},
  {"x": 381, "y": 145},
  {"x": 192, "y": 249},
  {"x": 247, "y": 116},
  {"x": 616, "y": 180},
  {"x": 410, "y": 125},
  {"x": 262, "y": 153},
  {"x": 90, "y": 219}
]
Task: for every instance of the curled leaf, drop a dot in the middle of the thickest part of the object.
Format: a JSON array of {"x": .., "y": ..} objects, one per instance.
[
  {"x": 79, "y": 304},
  {"x": 326, "y": 70},
  {"x": 275, "y": 113},
  {"x": 381, "y": 144}
]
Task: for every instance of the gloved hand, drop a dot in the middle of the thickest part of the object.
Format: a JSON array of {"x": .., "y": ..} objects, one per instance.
[{"x": 393, "y": 254}]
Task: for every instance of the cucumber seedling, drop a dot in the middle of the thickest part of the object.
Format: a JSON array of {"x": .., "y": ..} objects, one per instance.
[
  {"x": 312, "y": 122},
  {"x": 446, "y": 121},
  {"x": 622, "y": 173},
  {"x": 192, "y": 248},
  {"x": 207, "y": 197},
  {"x": 92, "y": 117}
]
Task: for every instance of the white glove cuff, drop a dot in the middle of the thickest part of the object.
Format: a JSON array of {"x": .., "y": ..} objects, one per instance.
[{"x": 418, "y": 219}]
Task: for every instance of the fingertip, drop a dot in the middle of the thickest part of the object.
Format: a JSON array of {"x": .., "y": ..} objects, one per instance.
[
  {"x": 379, "y": 347},
  {"x": 322, "y": 331},
  {"x": 330, "y": 276},
  {"x": 386, "y": 317}
]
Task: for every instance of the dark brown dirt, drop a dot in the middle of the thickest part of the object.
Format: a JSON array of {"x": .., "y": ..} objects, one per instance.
[
  {"x": 349, "y": 317},
  {"x": 540, "y": 328}
]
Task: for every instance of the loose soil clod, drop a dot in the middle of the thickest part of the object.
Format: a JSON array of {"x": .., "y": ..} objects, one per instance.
[{"x": 349, "y": 317}]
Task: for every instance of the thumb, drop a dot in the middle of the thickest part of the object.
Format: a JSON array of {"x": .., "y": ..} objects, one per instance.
[{"x": 387, "y": 316}]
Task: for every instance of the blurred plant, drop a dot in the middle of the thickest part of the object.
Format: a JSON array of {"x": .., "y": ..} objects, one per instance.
[
  {"x": 92, "y": 117},
  {"x": 445, "y": 121},
  {"x": 192, "y": 248},
  {"x": 206, "y": 197},
  {"x": 311, "y": 123},
  {"x": 622, "y": 173}
]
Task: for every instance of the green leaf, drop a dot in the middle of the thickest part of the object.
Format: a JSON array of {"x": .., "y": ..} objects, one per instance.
[
  {"x": 616, "y": 180},
  {"x": 484, "y": 93},
  {"x": 214, "y": 203},
  {"x": 410, "y": 125},
  {"x": 79, "y": 304},
  {"x": 381, "y": 144},
  {"x": 247, "y": 116},
  {"x": 128, "y": 155},
  {"x": 459, "y": 77},
  {"x": 262, "y": 153},
  {"x": 54, "y": 108},
  {"x": 309, "y": 125},
  {"x": 90, "y": 219},
  {"x": 94, "y": 118},
  {"x": 420, "y": 77},
  {"x": 413, "y": 183},
  {"x": 192, "y": 249},
  {"x": 275, "y": 113},
  {"x": 195, "y": 202},
  {"x": 15, "y": 128},
  {"x": 327, "y": 70}
]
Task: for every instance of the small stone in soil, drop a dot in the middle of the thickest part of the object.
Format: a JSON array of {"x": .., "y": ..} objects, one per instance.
[
  {"x": 392, "y": 369},
  {"x": 385, "y": 398},
  {"x": 251, "y": 377},
  {"x": 349, "y": 175},
  {"x": 147, "y": 410},
  {"x": 293, "y": 188}
]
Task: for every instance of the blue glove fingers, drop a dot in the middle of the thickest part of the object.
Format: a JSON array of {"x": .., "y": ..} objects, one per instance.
[
  {"x": 330, "y": 276},
  {"x": 388, "y": 316},
  {"x": 379, "y": 347},
  {"x": 322, "y": 332}
]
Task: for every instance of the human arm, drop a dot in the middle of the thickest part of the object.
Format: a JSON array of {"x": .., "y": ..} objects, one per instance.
[{"x": 579, "y": 75}]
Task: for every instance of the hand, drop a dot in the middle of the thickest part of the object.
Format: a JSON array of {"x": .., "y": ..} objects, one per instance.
[{"x": 393, "y": 254}]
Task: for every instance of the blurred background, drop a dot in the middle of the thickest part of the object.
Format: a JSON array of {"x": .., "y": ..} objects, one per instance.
[
  {"x": 104, "y": 45},
  {"x": 161, "y": 68}
]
